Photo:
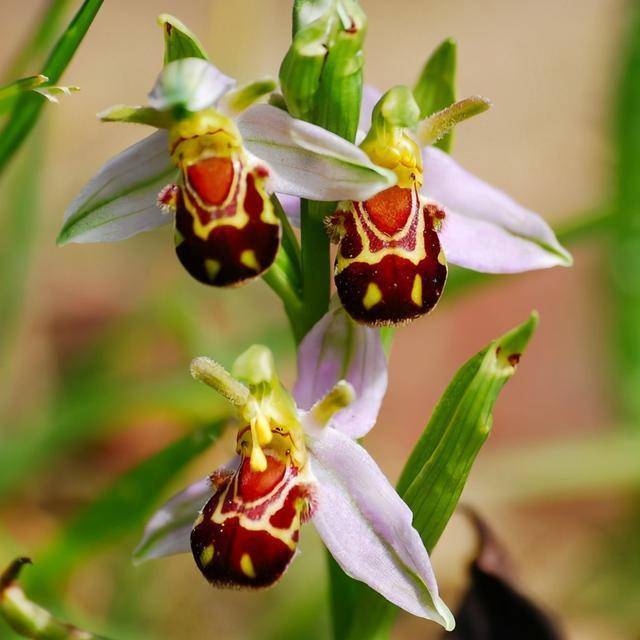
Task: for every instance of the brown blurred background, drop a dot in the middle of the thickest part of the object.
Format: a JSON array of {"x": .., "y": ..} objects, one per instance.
[{"x": 550, "y": 69}]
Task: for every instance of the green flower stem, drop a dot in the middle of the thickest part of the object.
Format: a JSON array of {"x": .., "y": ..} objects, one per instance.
[
  {"x": 315, "y": 264},
  {"x": 29, "y": 619},
  {"x": 27, "y": 109}
]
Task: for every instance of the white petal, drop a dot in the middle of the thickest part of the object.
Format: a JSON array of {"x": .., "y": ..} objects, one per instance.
[
  {"x": 169, "y": 530},
  {"x": 370, "y": 97},
  {"x": 337, "y": 348},
  {"x": 120, "y": 200},
  {"x": 309, "y": 161},
  {"x": 367, "y": 528},
  {"x": 191, "y": 83},
  {"x": 486, "y": 230}
]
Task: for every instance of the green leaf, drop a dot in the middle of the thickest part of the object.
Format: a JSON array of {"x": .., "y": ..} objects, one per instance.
[
  {"x": 179, "y": 41},
  {"x": 625, "y": 243},
  {"x": 437, "y": 470},
  {"x": 435, "y": 88},
  {"x": 27, "y": 109},
  {"x": 121, "y": 509}
]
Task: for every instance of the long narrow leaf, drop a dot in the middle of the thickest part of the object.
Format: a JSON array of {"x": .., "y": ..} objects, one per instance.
[
  {"x": 437, "y": 470},
  {"x": 625, "y": 247}
]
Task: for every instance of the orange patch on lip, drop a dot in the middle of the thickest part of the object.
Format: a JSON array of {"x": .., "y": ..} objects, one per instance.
[
  {"x": 390, "y": 209},
  {"x": 211, "y": 179}
]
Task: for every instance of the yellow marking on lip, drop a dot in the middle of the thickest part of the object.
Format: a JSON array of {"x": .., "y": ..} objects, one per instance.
[
  {"x": 178, "y": 238},
  {"x": 372, "y": 296},
  {"x": 416, "y": 291},
  {"x": 199, "y": 520},
  {"x": 212, "y": 267},
  {"x": 207, "y": 555},
  {"x": 249, "y": 260},
  {"x": 246, "y": 565}
]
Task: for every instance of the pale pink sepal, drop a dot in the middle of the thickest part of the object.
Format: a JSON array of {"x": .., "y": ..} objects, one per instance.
[
  {"x": 368, "y": 528},
  {"x": 485, "y": 229},
  {"x": 337, "y": 348}
]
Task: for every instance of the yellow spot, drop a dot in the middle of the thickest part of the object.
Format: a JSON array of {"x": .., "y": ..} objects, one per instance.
[
  {"x": 249, "y": 260},
  {"x": 442, "y": 259},
  {"x": 416, "y": 291},
  {"x": 372, "y": 296},
  {"x": 178, "y": 238},
  {"x": 212, "y": 267},
  {"x": 247, "y": 566},
  {"x": 206, "y": 556},
  {"x": 199, "y": 520}
]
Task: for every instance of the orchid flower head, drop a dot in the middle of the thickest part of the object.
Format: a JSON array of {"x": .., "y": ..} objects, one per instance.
[
  {"x": 211, "y": 169},
  {"x": 394, "y": 248},
  {"x": 296, "y": 461}
]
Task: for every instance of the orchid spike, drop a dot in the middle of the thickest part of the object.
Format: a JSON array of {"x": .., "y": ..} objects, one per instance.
[
  {"x": 293, "y": 465},
  {"x": 223, "y": 156}
]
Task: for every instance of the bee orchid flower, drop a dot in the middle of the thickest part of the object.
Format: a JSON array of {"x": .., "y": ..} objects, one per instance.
[
  {"x": 298, "y": 460},
  {"x": 211, "y": 169},
  {"x": 393, "y": 248}
]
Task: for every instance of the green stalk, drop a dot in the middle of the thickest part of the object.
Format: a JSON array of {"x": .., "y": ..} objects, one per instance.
[
  {"x": 27, "y": 109},
  {"x": 315, "y": 264}
]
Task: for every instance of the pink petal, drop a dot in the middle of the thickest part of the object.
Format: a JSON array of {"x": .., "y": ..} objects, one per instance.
[
  {"x": 367, "y": 528},
  {"x": 169, "y": 530},
  {"x": 337, "y": 348},
  {"x": 370, "y": 97},
  {"x": 485, "y": 229},
  {"x": 291, "y": 207}
]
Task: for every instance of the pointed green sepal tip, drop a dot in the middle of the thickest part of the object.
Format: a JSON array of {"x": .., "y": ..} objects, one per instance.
[
  {"x": 255, "y": 366},
  {"x": 179, "y": 40},
  {"x": 396, "y": 108},
  {"x": 511, "y": 345},
  {"x": 439, "y": 124}
]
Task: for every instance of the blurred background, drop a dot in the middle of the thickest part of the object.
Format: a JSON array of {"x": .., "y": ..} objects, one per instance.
[{"x": 96, "y": 339}]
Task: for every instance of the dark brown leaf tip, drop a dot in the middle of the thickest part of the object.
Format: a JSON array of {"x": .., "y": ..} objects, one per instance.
[
  {"x": 11, "y": 573},
  {"x": 514, "y": 358}
]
